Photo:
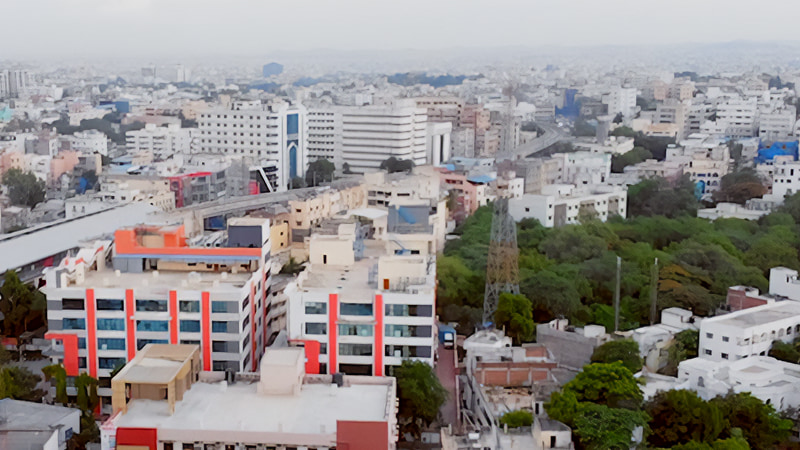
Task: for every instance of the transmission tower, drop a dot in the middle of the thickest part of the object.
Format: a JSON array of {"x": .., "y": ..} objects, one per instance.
[{"x": 502, "y": 264}]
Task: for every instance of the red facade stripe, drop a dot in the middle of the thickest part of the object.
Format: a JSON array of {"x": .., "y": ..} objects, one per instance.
[
  {"x": 333, "y": 333},
  {"x": 130, "y": 324},
  {"x": 173, "y": 317},
  {"x": 378, "y": 350},
  {"x": 205, "y": 308},
  {"x": 91, "y": 332},
  {"x": 70, "y": 343}
]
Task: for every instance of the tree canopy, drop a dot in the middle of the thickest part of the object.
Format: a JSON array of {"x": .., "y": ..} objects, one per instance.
[
  {"x": 24, "y": 188},
  {"x": 319, "y": 171},
  {"x": 516, "y": 419},
  {"x": 420, "y": 392},
  {"x": 635, "y": 156},
  {"x": 23, "y": 307},
  {"x": 515, "y": 314},
  {"x": 393, "y": 165},
  {"x": 625, "y": 351}
]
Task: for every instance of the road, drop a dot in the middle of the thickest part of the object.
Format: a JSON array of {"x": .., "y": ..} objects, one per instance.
[
  {"x": 552, "y": 134},
  {"x": 446, "y": 371}
]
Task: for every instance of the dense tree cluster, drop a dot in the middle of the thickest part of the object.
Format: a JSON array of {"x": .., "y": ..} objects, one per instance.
[
  {"x": 24, "y": 188},
  {"x": 420, "y": 394},
  {"x": 635, "y": 156},
  {"x": 570, "y": 271}
]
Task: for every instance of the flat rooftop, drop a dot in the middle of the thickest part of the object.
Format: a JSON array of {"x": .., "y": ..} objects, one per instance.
[
  {"x": 760, "y": 315},
  {"x": 238, "y": 407},
  {"x": 17, "y": 415},
  {"x": 157, "y": 364},
  {"x": 166, "y": 279}
]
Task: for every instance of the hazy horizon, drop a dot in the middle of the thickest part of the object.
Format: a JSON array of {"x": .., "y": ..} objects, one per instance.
[{"x": 193, "y": 28}]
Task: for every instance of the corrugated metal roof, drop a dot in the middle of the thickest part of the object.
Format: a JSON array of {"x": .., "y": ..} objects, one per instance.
[{"x": 37, "y": 243}]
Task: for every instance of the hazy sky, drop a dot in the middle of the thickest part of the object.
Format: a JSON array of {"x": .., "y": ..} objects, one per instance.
[{"x": 44, "y": 28}]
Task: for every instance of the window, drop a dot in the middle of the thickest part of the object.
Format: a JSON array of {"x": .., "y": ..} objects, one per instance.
[
  {"x": 81, "y": 342},
  {"x": 725, "y": 339},
  {"x": 724, "y": 356},
  {"x": 190, "y": 326},
  {"x": 316, "y": 308},
  {"x": 219, "y": 327},
  {"x": 219, "y": 346},
  {"x": 707, "y": 352},
  {"x": 140, "y": 343},
  {"x": 408, "y": 331},
  {"x": 189, "y": 342},
  {"x": 409, "y": 310},
  {"x": 710, "y": 335},
  {"x": 356, "y": 309},
  {"x": 168, "y": 446},
  {"x": 105, "y": 304},
  {"x": 151, "y": 305},
  {"x": 110, "y": 363},
  {"x": 74, "y": 304},
  {"x": 69, "y": 323},
  {"x": 355, "y": 330},
  {"x": 189, "y": 306},
  {"x": 316, "y": 328},
  {"x": 110, "y": 344},
  {"x": 152, "y": 325},
  {"x": 111, "y": 324},
  {"x": 323, "y": 349},
  {"x": 355, "y": 349},
  {"x": 219, "y": 307}
]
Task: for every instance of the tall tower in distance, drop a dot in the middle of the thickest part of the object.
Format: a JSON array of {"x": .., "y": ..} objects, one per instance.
[{"x": 502, "y": 264}]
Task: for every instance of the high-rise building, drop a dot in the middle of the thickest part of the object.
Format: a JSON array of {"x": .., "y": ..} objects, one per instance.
[
  {"x": 14, "y": 83},
  {"x": 273, "y": 136},
  {"x": 162, "y": 287},
  {"x": 163, "y": 141}
]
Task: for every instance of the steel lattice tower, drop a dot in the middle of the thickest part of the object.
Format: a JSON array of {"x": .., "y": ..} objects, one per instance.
[{"x": 502, "y": 264}]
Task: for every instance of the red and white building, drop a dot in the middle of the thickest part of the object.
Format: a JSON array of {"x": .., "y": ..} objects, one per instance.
[{"x": 153, "y": 285}]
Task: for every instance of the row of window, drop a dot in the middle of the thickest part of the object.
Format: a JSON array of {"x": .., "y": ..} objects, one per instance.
[
  {"x": 365, "y": 309},
  {"x": 106, "y": 324},
  {"x": 772, "y": 335},
  {"x": 313, "y": 328},
  {"x": 146, "y": 305}
]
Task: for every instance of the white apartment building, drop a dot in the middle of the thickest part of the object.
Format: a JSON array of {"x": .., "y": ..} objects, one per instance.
[
  {"x": 211, "y": 292},
  {"x": 583, "y": 168},
  {"x": 621, "y": 100},
  {"x": 162, "y": 142},
  {"x": 560, "y": 205},
  {"x": 614, "y": 145},
  {"x": 325, "y": 135},
  {"x": 785, "y": 178},
  {"x": 14, "y": 83},
  {"x": 749, "y": 332},
  {"x": 272, "y": 136},
  {"x": 777, "y": 124},
  {"x": 372, "y": 134},
  {"x": 739, "y": 118},
  {"x": 89, "y": 141},
  {"x": 368, "y": 310},
  {"x": 438, "y": 142},
  {"x": 673, "y": 111}
]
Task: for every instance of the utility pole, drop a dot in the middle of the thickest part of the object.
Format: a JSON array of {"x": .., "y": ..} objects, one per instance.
[
  {"x": 616, "y": 294},
  {"x": 653, "y": 291}
]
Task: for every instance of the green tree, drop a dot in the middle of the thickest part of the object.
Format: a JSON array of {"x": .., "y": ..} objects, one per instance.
[
  {"x": 789, "y": 352},
  {"x": 516, "y": 419},
  {"x": 684, "y": 347},
  {"x": 56, "y": 372},
  {"x": 655, "y": 196},
  {"x": 770, "y": 251},
  {"x": 23, "y": 187},
  {"x": 623, "y": 131},
  {"x": 635, "y": 156},
  {"x": 420, "y": 394},
  {"x": 610, "y": 384},
  {"x": 625, "y": 351},
  {"x": 679, "y": 416},
  {"x": 551, "y": 294},
  {"x": 572, "y": 244},
  {"x": 319, "y": 171},
  {"x": 16, "y": 303},
  {"x": 457, "y": 283},
  {"x": 515, "y": 314},
  {"x": 599, "y": 427},
  {"x": 760, "y": 424},
  {"x": 297, "y": 183},
  {"x": 20, "y": 383},
  {"x": 393, "y": 165},
  {"x": 292, "y": 267}
]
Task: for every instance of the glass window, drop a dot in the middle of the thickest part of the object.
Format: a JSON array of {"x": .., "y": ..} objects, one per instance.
[
  {"x": 409, "y": 310},
  {"x": 316, "y": 308},
  {"x": 190, "y": 342},
  {"x": 111, "y": 324},
  {"x": 81, "y": 362},
  {"x": 69, "y": 323},
  {"x": 408, "y": 331},
  {"x": 110, "y": 344},
  {"x": 110, "y": 363},
  {"x": 81, "y": 342},
  {"x": 316, "y": 328},
  {"x": 190, "y": 326},
  {"x": 219, "y": 327},
  {"x": 189, "y": 306},
  {"x": 709, "y": 335},
  {"x": 725, "y": 339},
  {"x": 219, "y": 307},
  {"x": 356, "y": 309},
  {"x": 72, "y": 304},
  {"x": 106, "y": 304},
  {"x": 355, "y": 330},
  {"x": 219, "y": 346},
  {"x": 355, "y": 349},
  {"x": 151, "y": 305},
  {"x": 140, "y": 343},
  {"x": 152, "y": 325}
]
